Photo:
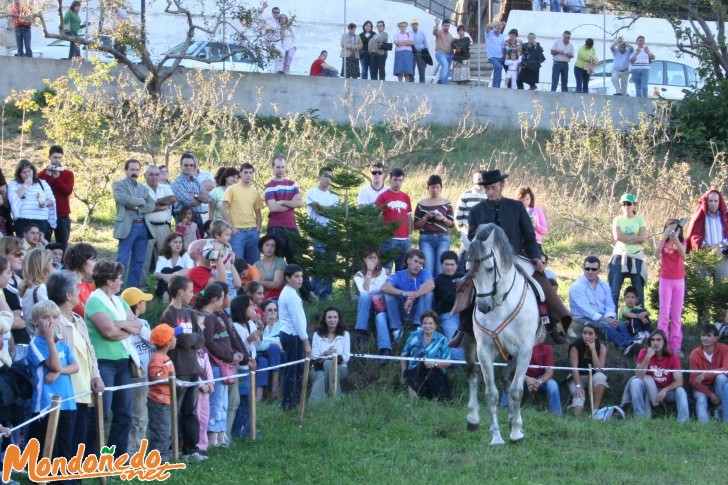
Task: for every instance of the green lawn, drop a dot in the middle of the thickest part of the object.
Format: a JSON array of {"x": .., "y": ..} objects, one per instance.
[{"x": 383, "y": 437}]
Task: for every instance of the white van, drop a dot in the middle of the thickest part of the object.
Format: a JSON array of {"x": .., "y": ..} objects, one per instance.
[{"x": 670, "y": 74}]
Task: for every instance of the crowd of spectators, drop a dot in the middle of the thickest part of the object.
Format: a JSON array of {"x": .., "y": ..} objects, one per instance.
[{"x": 67, "y": 323}]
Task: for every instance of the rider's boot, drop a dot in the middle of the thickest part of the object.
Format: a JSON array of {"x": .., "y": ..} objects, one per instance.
[{"x": 466, "y": 326}]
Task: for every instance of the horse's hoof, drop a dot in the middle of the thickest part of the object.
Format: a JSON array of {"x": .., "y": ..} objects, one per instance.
[
  {"x": 497, "y": 442},
  {"x": 473, "y": 426},
  {"x": 517, "y": 442}
]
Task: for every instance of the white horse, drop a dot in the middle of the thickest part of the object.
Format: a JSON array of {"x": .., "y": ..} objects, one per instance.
[{"x": 505, "y": 320}]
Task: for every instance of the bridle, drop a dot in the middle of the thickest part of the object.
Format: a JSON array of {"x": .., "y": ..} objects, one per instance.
[{"x": 496, "y": 278}]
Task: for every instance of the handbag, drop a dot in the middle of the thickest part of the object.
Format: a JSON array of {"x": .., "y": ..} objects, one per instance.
[
  {"x": 136, "y": 371},
  {"x": 226, "y": 370},
  {"x": 379, "y": 304},
  {"x": 386, "y": 46}
]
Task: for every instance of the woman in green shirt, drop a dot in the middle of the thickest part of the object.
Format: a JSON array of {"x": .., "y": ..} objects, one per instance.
[
  {"x": 71, "y": 25},
  {"x": 586, "y": 59},
  {"x": 628, "y": 258},
  {"x": 225, "y": 177},
  {"x": 110, "y": 323}
]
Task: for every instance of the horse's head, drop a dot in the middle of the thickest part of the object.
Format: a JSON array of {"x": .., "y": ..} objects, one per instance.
[{"x": 490, "y": 258}]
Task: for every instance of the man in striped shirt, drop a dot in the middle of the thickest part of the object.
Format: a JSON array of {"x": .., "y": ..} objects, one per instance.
[
  {"x": 282, "y": 197},
  {"x": 468, "y": 199}
]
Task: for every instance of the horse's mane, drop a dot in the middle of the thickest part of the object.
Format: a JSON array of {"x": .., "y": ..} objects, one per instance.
[{"x": 500, "y": 243}]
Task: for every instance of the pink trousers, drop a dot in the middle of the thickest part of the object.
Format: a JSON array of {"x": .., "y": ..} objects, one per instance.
[
  {"x": 672, "y": 297},
  {"x": 203, "y": 414}
]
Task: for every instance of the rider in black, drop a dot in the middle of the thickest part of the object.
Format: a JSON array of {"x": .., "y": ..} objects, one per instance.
[{"x": 511, "y": 216}]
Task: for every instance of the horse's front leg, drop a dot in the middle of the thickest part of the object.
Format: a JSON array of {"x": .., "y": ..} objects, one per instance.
[
  {"x": 516, "y": 395},
  {"x": 491, "y": 396},
  {"x": 473, "y": 406}
]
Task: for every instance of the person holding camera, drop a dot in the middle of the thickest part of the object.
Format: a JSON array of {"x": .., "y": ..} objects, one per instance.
[
  {"x": 621, "y": 53},
  {"x": 708, "y": 229},
  {"x": 671, "y": 251},
  {"x": 61, "y": 182}
]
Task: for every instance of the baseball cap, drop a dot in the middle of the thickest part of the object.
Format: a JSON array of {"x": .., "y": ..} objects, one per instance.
[
  {"x": 415, "y": 21},
  {"x": 132, "y": 296},
  {"x": 163, "y": 333},
  {"x": 628, "y": 198}
]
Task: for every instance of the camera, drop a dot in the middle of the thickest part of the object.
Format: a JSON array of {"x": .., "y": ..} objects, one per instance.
[
  {"x": 56, "y": 168},
  {"x": 671, "y": 233}
]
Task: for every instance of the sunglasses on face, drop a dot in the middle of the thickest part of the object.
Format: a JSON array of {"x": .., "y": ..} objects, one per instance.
[
  {"x": 586, "y": 268},
  {"x": 629, "y": 204},
  {"x": 377, "y": 172}
]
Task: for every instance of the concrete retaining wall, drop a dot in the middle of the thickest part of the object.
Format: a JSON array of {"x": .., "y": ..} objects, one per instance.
[{"x": 299, "y": 94}]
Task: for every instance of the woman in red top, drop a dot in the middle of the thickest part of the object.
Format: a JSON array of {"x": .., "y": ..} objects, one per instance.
[
  {"x": 671, "y": 251},
  {"x": 81, "y": 259}
]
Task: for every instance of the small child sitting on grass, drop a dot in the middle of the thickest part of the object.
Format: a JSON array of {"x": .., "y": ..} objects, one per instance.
[
  {"x": 164, "y": 338},
  {"x": 635, "y": 317}
]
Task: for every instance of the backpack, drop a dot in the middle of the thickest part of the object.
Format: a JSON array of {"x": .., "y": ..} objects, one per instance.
[
  {"x": 16, "y": 386},
  {"x": 605, "y": 413}
]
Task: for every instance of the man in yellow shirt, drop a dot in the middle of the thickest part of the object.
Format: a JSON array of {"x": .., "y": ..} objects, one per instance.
[{"x": 241, "y": 208}]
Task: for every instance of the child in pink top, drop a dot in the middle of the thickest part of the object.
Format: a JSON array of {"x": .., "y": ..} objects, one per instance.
[{"x": 671, "y": 250}]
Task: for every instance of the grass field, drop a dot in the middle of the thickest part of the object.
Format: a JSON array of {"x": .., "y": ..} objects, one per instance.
[{"x": 377, "y": 437}]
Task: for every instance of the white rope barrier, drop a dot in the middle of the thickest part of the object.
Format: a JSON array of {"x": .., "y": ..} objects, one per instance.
[
  {"x": 40, "y": 415},
  {"x": 237, "y": 376},
  {"x": 503, "y": 364}
]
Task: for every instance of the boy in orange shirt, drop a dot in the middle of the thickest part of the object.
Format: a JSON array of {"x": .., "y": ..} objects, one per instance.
[{"x": 164, "y": 338}]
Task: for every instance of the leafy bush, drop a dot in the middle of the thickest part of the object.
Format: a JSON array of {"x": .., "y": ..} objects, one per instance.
[{"x": 699, "y": 121}]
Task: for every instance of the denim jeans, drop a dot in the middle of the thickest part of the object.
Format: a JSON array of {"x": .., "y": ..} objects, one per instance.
[
  {"x": 377, "y": 66},
  {"x": 365, "y": 61},
  {"x": 720, "y": 387},
  {"x": 218, "y": 405},
  {"x": 550, "y": 388},
  {"x": 117, "y": 373},
  {"x": 497, "y": 70},
  {"x": 73, "y": 49},
  {"x": 322, "y": 287},
  {"x": 131, "y": 253},
  {"x": 403, "y": 245},
  {"x": 245, "y": 244},
  {"x": 450, "y": 324},
  {"x": 63, "y": 231},
  {"x": 395, "y": 309},
  {"x": 638, "y": 392},
  {"x": 292, "y": 374},
  {"x": 270, "y": 358},
  {"x": 641, "y": 77},
  {"x": 616, "y": 278},
  {"x": 241, "y": 423},
  {"x": 560, "y": 70},
  {"x": 444, "y": 59},
  {"x": 22, "y": 38},
  {"x": 364, "y": 309},
  {"x": 433, "y": 245},
  {"x": 555, "y": 5},
  {"x": 582, "y": 80},
  {"x": 618, "y": 336}
]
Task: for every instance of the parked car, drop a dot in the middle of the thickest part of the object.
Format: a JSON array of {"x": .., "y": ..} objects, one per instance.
[
  {"x": 58, "y": 49},
  {"x": 667, "y": 80},
  {"x": 211, "y": 56}
]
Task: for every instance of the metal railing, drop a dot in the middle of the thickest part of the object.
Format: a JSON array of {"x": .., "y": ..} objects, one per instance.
[{"x": 433, "y": 7}]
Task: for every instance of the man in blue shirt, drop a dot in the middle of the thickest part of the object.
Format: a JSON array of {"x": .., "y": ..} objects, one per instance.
[
  {"x": 410, "y": 291},
  {"x": 621, "y": 51},
  {"x": 591, "y": 300},
  {"x": 495, "y": 44},
  {"x": 420, "y": 44}
]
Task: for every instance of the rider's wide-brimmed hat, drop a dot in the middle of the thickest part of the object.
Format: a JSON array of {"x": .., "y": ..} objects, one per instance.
[{"x": 492, "y": 176}]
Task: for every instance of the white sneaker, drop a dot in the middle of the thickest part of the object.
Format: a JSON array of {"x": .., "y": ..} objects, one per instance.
[{"x": 196, "y": 456}]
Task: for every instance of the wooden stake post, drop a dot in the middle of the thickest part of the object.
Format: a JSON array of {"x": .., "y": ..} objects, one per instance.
[
  {"x": 50, "y": 437},
  {"x": 98, "y": 399},
  {"x": 304, "y": 387},
  {"x": 251, "y": 397},
  {"x": 173, "y": 408}
]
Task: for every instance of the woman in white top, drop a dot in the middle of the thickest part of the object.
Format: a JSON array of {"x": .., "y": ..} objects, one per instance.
[
  {"x": 174, "y": 261},
  {"x": 31, "y": 200},
  {"x": 330, "y": 341},
  {"x": 37, "y": 268},
  {"x": 369, "y": 282},
  {"x": 640, "y": 61},
  {"x": 294, "y": 336}
]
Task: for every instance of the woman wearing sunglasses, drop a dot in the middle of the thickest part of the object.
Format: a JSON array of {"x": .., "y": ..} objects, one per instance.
[{"x": 628, "y": 258}]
